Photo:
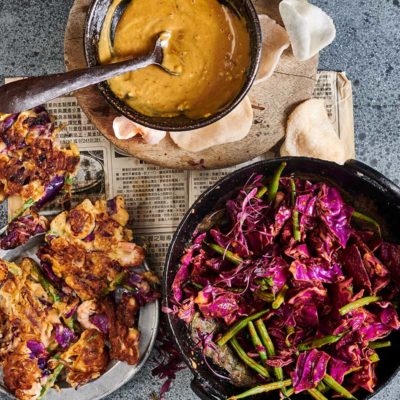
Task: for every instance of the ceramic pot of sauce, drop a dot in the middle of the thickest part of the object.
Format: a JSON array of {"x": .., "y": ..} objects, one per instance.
[{"x": 215, "y": 47}]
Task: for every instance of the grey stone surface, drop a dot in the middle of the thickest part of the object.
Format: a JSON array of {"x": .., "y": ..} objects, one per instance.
[{"x": 367, "y": 48}]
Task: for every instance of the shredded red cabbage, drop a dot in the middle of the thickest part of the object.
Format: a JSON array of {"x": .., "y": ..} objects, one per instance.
[
  {"x": 39, "y": 352},
  {"x": 301, "y": 257},
  {"x": 310, "y": 370},
  {"x": 144, "y": 291},
  {"x": 168, "y": 359},
  {"x": 50, "y": 191},
  {"x": 101, "y": 321},
  {"x": 21, "y": 229},
  {"x": 112, "y": 206},
  {"x": 64, "y": 336}
]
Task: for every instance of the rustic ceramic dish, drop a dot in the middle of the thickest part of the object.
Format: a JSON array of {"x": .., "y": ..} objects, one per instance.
[{"x": 356, "y": 181}]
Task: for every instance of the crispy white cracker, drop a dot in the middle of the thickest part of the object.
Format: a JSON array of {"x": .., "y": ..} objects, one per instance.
[
  {"x": 310, "y": 29},
  {"x": 309, "y": 133},
  {"x": 233, "y": 127},
  {"x": 275, "y": 41},
  {"x": 125, "y": 129}
]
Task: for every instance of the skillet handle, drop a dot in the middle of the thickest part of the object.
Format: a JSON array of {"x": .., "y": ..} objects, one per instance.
[
  {"x": 377, "y": 177},
  {"x": 203, "y": 390}
]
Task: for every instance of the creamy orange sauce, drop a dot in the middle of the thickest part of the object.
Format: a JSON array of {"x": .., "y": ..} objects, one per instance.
[{"x": 209, "y": 46}]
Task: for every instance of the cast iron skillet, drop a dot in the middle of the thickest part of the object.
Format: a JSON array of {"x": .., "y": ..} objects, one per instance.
[
  {"x": 357, "y": 182},
  {"x": 94, "y": 23}
]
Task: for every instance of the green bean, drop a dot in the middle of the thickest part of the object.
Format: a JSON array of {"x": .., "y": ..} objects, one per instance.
[
  {"x": 364, "y": 218},
  {"x": 50, "y": 289},
  {"x": 267, "y": 297},
  {"x": 265, "y": 338},
  {"x": 261, "y": 192},
  {"x": 238, "y": 327},
  {"x": 295, "y": 213},
  {"x": 247, "y": 360},
  {"x": 233, "y": 258},
  {"x": 289, "y": 392},
  {"x": 265, "y": 283},
  {"x": 69, "y": 180},
  {"x": 14, "y": 269},
  {"x": 47, "y": 286},
  {"x": 262, "y": 389},
  {"x": 351, "y": 370},
  {"x": 280, "y": 298},
  {"x": 374, "y": 358},
  {"x": 69, "y": 322},
  {"x": 278, "y": 371},
  {"x": 322, "y": 387},
  {"x": 51, "y": 381},
  {"x": 119, "y": 278},
  {"x": 257, "y": 341},
  {"x": 292, "y": 191},
  {"x": 289, "y": 331},
  {"x": 269, "y": 346},
  {"x": 317, "y": 343},
  {"x": 358, "y": 303},
  {"x": 296, "y": 226},
  {"x": 28, "y": 204},
  {"x": 380, "y": 345},
  {"x": 274, "y": 184},
  {"x": 197, "y": 285},
  {"x": 316, "y": 394},
  {"x": 337, "y": 387}
]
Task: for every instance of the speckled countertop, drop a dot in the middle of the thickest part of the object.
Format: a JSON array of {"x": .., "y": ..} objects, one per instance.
[{"x": 367, "y": 47}]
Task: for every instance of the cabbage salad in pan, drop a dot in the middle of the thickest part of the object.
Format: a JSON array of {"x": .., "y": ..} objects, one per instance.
[
  {"x": 63, "y": 319},
  {"x": 291, "y": 290},
  {"x": 33, "y": 169}
]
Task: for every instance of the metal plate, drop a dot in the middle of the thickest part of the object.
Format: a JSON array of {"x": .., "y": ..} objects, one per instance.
[{"x": 118, "y": 373}]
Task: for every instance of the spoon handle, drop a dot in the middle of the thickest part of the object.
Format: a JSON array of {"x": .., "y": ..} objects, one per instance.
[{"x": 27, "y": 93}]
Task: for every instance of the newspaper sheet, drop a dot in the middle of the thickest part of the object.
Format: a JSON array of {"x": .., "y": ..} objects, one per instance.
[{"x": 158, "y": 198}]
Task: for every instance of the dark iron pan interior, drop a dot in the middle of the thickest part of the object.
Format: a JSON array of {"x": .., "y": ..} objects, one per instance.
[
  {"x": 357, "y": 182},
  {"x": 94, "y": 24}
]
